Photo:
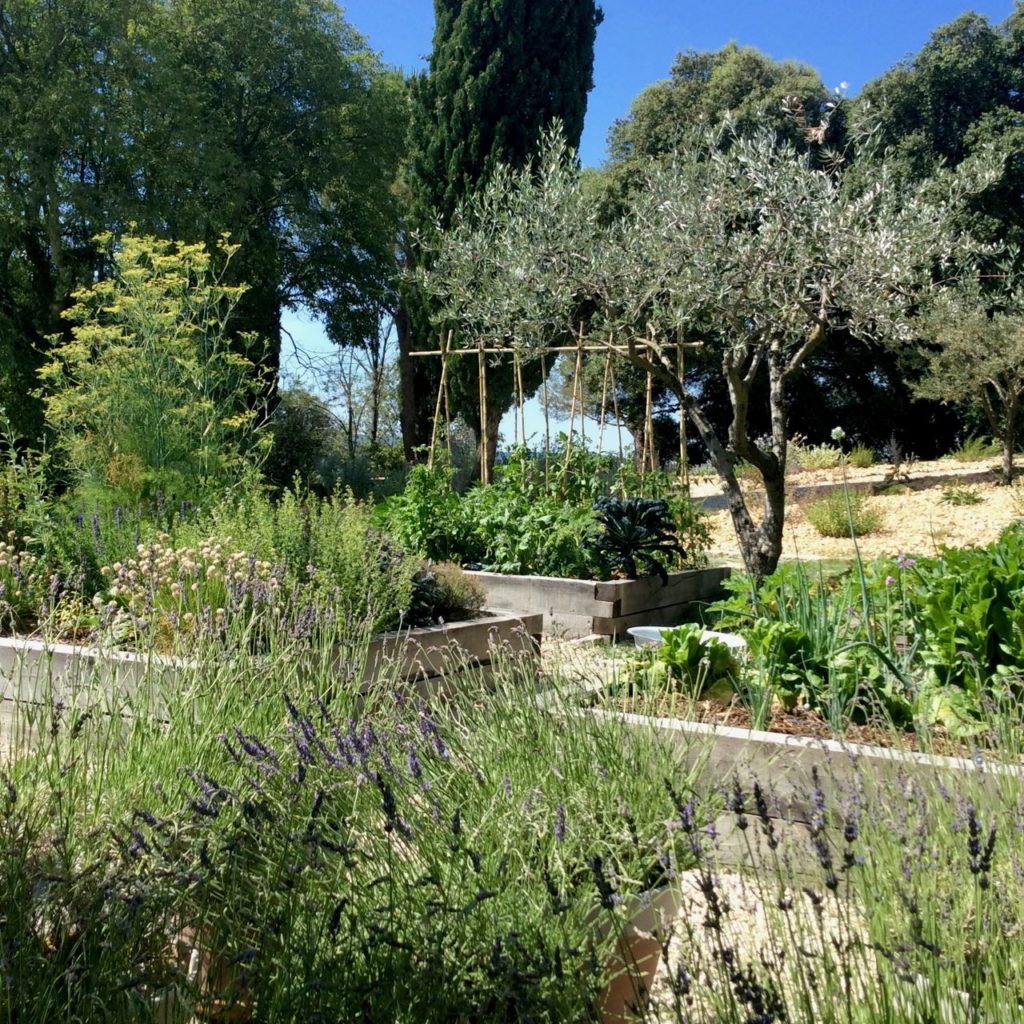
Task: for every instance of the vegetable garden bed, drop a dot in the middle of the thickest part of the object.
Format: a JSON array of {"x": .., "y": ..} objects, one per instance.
[
  {"x": 575, "y": 608},
  {"x": 794, "y": 767}
]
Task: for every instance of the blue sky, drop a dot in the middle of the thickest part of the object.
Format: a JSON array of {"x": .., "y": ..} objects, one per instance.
[{"x": 852, "y": 41}]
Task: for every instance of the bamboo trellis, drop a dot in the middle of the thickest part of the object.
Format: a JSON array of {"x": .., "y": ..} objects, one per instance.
[{"x": 647, "y": 456}]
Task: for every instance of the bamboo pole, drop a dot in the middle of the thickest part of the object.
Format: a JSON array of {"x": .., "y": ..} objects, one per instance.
[
  {"x": 447, "y": 414},
  {"x": 555, "y": 349},
  {"x": 583, "y": 404},
  {"x": 576, "y": 387},
  {"x": 615, "y": 410},
  {"x": 547, "y": 421},
  {"x": 521, "y": 395},
  {"x": 485, "y": 472},
  {"x": 684, "y": 461},
  {"x": 648, "y": 454},
  {"x": 441, "y": 388},
  {"x": 604, "y": 402}
]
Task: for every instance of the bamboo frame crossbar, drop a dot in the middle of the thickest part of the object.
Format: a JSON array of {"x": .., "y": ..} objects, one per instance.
[{"x": 617, "y": 349}]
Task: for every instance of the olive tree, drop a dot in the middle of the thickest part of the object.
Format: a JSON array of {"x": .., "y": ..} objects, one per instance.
[
  {"x": 748, "y": 249},
  {"x": 976, "y": 358}
]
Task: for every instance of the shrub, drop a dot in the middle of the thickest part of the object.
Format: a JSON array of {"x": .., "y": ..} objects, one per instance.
[
  {"x": 148, "y": 396},
  {"x": 958, "y": 494},
  {"x": 693, "y": 528},
  {"x": 817, "y": 456},
  {"x": 1017, "y": 498},
  {"x": 406, "y": 864},
  {"x": 974, "y": 449},
  {"x": 861, "y": 456},
  {"x": 444, "y": 592},
  {"x": 254, "y": 570},
  {"x": 832, "y": 518},
  {"x": 429, "y": 516}
]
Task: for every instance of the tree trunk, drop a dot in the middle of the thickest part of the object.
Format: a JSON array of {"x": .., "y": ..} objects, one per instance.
[
  {"x": 491, "y": 429},
  {"x": 1009, "y": 439}
]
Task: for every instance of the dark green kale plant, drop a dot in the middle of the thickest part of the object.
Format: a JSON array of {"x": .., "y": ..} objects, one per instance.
[{"x": 634, "y": 530}]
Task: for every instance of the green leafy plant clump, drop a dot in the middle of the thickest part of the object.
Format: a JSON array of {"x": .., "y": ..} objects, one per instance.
[
  {"x": 535, "y": 519},
  {"x": 975, "y": 449},
  {"x": 636, "y": 532},
  {"x": 919, "y": 643},
  {"x": 842, "y": 511},
  {"x": 148, "y": 395},
  {"x": 959, "y": 495},
  {"x": 819, "y": 456},
  {"x": 861, "y": 456},
  {"x": 687, "y": 664}
]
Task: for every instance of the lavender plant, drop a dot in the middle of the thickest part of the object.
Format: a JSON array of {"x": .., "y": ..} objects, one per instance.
[
  {"x": 372, "y": 858},
  {"x": 890, "y": 898}
]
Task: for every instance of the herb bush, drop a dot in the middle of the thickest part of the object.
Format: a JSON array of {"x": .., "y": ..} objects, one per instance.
[
  {"x": 386, "y": 862},
  {"x": 899, "y": 900},
  {"x": 958, "y": 494},
  {"x": 975, "y": 449},
  {"x": 527, "y": 522},
  {"x": 840, "y": 511},
  {"x": 861, "y": 456},
  {"x": 817, "y": 456},
  {"x": 251, "y": 569},
  {"x": 161, "y": 317}
]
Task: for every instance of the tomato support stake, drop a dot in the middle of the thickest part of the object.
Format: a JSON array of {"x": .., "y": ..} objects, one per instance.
[{"x": 646, "y": 452}]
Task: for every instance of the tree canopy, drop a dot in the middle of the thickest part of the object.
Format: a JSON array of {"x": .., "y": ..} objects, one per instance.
[
  {"x": 748, "y": 249},
  {"x": 271, "y": 121}
]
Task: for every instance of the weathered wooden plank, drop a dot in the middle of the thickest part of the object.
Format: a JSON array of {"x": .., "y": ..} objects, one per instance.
[
  {"x": 435, "y": 650},
  {"x": 32, "y": 671},
  {"x": 650, "y": 591},
  {"x": 545, "y": 594},
  {"x": 569, "y": 627},
  {"x": 698, "y": 585},
  {"x": 580, "y": 607},
  {"x": 673, "y": 615}
]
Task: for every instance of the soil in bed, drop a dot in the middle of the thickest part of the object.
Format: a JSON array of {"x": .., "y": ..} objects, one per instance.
[{"x": 805, "y": 722}]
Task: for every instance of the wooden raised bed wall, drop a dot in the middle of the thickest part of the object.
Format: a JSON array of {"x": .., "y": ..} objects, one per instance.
[
  {"x": 575, "y": 608},
  {"x": 36, "y": 672}
]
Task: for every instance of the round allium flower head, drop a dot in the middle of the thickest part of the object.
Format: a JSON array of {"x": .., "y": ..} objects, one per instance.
[
  {"x": 890, "y": 580},
  {"x": 838, "y": 434}
]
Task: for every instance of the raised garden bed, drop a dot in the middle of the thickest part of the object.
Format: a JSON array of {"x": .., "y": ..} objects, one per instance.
[
  {"x": 789, "y": 768},
  {"x": 39, "y": 672},
  {"x": 575, "y": 608}
]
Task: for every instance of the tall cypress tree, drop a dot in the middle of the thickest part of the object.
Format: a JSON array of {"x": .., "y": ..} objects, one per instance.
[{"x": 501, "y": 71}]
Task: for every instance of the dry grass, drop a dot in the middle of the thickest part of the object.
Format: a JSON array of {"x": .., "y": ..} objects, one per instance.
[{"x": 918, "y": 521}]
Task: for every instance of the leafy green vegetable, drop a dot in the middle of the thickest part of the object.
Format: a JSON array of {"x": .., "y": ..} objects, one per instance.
[{"x": 634, "y": 530}]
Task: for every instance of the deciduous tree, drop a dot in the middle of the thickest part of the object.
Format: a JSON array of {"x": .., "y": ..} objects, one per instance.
[{"x": 976, "y": 358}]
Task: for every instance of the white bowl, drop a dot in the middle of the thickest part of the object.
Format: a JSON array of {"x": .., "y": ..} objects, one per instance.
[{"x": 652, "y": 636}]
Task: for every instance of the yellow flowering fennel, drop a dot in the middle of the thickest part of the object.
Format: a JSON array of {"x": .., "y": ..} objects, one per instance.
[{"x": 148, "y": 394}]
